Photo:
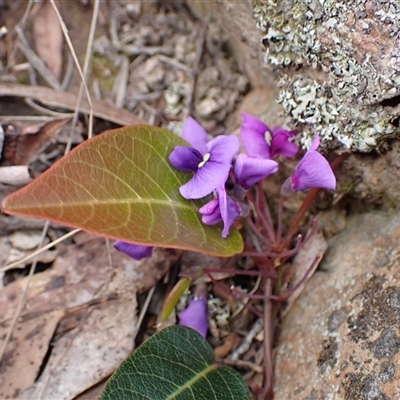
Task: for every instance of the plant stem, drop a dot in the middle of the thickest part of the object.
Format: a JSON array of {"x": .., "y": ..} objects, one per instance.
[
  {"x": 285, "y": 254},
  {"x": 287, "y": 294},
  {"x": 257, "y": 232},
  {"x": 280, "y": 222},
  {"x": 261, "y": 206},
  {"x": 294, "y": 224}
]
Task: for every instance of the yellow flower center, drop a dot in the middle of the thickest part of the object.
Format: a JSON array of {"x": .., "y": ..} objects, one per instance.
[{"x": 206, "y": 157}]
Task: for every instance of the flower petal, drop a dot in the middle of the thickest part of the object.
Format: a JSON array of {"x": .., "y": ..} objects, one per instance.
[
  {"x": 211, "y": 214},
  {"x": 313, "y": 171},
  {"x": 254, "y": 123},
  {"x": 135, "y": 251},
  {"x": 185, "y": 159},
  {"x": 252, "y": 133},
  {"x": 280, "y": 143},
  {"x": 195, "y": 316},
  {"x": 249, "y": 171},
  {"x": 223, "y": 148},
  {"x": 195, "y": 134},
  {"x": 315, "y": 143},
  {"x": 229, "y": 209},
  {"x": 205, "y": 180}
]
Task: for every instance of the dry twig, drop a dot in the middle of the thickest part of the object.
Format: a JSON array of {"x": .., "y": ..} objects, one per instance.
[{"x": 68, "y": 101}]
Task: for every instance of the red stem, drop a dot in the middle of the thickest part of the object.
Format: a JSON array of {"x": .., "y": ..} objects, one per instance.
[
  {"x": 257, "y": 231},
  {"x": 280, "y": 222},
  {"x": 259, "y": 209},
  {"x": 294, "y": 224},
  {"x": 286, "y": 295},
  {"x": 263, "y": 206},
  {"x": 270, "y": 254}
]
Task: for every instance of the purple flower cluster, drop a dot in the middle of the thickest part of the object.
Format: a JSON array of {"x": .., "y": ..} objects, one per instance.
[{"x": 210, "y": 162}]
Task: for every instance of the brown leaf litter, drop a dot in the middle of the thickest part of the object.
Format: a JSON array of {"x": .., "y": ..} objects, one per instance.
[
  {"x": 48, "y": 38},
  {"x": 91, "y": 341}
]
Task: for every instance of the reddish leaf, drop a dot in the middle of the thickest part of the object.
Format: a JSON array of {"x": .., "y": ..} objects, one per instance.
[{"x": 120, "y": 185}]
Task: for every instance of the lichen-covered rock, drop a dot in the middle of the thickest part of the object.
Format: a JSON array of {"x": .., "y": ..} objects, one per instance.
[
  {"x": 235, "y": 17},
  {"x": 341, "y": 340},
  {"x": 340, "y": 67}
]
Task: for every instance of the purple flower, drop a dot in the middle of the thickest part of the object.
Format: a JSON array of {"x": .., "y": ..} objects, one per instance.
[
  {"x": 313, "y": 171},
  {"x": 248, "y": 171},
  {"x": 209, "y": 160},
  {"x": 195, "y": 134},
  {"x": 195, "y": 315},
  {"x": 261, "y": 141},
  {"x": 135, "y": 251},
  {"x": 222, "y": 208}
]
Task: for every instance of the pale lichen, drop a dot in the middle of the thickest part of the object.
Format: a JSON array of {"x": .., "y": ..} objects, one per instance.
[{"x": 339, "y": 63}]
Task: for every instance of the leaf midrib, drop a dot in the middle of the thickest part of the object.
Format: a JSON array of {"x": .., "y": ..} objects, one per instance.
[
  {"x": 190, "y": 382},
  {"x": 169, "y": 203}
]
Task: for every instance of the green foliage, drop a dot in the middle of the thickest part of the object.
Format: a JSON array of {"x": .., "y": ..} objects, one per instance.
[
  {"x": 175, "y": 363},
  {"x": 121, "y": 185}
]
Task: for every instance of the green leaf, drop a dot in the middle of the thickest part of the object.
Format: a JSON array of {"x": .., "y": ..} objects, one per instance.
[
  {"x": 120, "y": 185},
  {"x": 175, "y": 363}
]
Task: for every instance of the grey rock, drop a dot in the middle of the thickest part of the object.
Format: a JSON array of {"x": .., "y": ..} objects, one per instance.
[
  {"x": 339, "y": 63},
  {"x": 341, "y": 340}
]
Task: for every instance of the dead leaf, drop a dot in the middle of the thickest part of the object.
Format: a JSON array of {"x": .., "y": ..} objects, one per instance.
[
  {"x": 302, "y": 262},
  {"x": 78, "y": 273},
  {"x": 25, "y": 351},
  {"x": 225, "y": 348},
  {"x": 192, "y": 260},
  {"x": 88, "y": 349},
  {"x": 93, "y": 350},
  {"x": 52, "y": 98},
  {"x": 152, "y": 269},
  {"x": 22, "y": 144},
  {"x": 48, "y": 38}
]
